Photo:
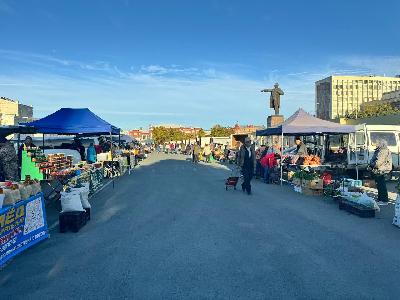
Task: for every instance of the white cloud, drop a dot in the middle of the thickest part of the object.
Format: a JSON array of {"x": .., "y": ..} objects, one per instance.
[
  {"x": 167, "y": 93},
  {"x": 378, "y": 65}
]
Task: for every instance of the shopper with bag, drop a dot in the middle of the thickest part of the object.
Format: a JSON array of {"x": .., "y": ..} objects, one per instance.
[
  {"x": 381, "y": 165},
  {"x": 246, "y": 160}
]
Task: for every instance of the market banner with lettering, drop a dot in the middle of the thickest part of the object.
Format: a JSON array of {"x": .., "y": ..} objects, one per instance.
[{"x": 22, "y": 226}]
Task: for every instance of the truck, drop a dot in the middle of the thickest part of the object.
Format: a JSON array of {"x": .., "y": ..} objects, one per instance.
[{"x": 366, "y": 139}]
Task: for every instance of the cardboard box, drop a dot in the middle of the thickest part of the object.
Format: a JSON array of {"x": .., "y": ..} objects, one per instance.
[
  {"x": 312, "y": 192},
  {"x": 316, "y": 184}
]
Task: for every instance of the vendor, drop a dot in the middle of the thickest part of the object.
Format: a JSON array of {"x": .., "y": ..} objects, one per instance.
[
  {"x": 91, "y": 154},
  {"x": 301, "y": 148},
  {"x": 77, "y": 145},
  {"x": 25, "y": 145},
  {"x": 8, "y": 161}
]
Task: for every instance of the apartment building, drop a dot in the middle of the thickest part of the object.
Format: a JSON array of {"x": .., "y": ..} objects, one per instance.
[
  {"x": 335, "y": 96},
  {"x": 12, "y": 112}
]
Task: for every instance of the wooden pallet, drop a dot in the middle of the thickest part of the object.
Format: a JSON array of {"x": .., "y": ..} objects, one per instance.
[{"x": 356, "y": 209}]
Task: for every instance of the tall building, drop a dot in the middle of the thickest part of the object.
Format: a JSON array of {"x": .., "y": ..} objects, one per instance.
[
  {"x": 336, "y": 96},
  {"x": 12, "y": 112}
]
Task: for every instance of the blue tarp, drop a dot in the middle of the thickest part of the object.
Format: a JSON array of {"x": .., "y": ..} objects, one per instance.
[{"x": 73, "y": 121}]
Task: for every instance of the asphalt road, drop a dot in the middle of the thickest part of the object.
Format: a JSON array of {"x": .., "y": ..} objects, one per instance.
[{"x": 171, "y": 231}]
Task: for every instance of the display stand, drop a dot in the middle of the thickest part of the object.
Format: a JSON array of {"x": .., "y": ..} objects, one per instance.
[{"x": 29, "y": 167}]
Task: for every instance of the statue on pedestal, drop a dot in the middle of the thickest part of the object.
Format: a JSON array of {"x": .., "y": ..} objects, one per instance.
[{"x": 275, "y": 99}]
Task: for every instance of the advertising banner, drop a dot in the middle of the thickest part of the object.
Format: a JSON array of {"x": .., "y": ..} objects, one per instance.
[{"x": 22, "y": 226}]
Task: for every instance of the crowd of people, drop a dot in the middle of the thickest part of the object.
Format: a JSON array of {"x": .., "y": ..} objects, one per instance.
[{"x": 210, "y": 152}]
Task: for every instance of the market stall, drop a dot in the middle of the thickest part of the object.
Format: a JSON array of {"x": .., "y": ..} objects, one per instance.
[
  {"x": 66, "y": 121},
  {"x": 302, "y": 123},
  {"x": 59, "y": 171},
  {"x": 313, "y": 175}
]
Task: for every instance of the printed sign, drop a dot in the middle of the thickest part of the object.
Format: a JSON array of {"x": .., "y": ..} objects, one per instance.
[{"x": 22, "y": 226}]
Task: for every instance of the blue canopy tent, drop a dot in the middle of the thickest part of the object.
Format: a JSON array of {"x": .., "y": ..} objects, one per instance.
[{"x": 73, "y": 121}]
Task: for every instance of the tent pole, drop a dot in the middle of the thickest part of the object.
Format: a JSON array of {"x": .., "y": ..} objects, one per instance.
[
  {"x": 282, "y": 159},
  {"x": 19, "y": 140},
  {"x": 355, "y": 147},
  {"x": 43, "y": 142},
  {"x": 112, "y": 158}
]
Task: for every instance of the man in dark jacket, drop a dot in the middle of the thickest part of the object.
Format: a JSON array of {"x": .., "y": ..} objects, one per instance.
[{"x": 247, "y": 161}]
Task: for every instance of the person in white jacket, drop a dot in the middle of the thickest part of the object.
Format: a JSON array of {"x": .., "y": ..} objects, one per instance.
[{"x": 207, "y": 152}]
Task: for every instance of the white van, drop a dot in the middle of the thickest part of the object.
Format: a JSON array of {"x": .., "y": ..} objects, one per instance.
[{"x": 367, "y": 137}]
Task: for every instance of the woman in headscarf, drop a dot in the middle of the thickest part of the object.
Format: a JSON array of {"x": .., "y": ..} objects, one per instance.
[
  {"x": 8, "y": 161},
  {"x": 381, "y": 165}
]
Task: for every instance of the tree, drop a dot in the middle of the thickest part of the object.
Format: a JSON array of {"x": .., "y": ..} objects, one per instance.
[
  {"x": 160, "y": 135},
  {"x": 201, "y": 133},
  {"x": 374, "y": 110},
  {"x": 163, "y": 135},
  {"x": 218, "y": 130}
]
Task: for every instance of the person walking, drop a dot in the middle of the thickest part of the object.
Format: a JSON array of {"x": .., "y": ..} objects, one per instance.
[
  {"x": 207, "y": 152},
  {"x": 381, "y": 165},
  {"x": 196, "y": 152},
  {"x": 246, "y": 160}
]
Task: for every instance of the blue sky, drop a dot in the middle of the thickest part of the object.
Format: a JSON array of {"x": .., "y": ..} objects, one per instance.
[{"x": 190, "y": 62}]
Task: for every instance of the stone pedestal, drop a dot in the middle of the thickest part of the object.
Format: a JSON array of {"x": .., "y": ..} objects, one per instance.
[{"x": 274, "y": 120}]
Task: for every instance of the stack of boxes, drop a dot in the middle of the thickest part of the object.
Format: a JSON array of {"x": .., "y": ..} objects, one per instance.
[
  {"x": 314, "y": 187},
  {"x": 60, "y": 161}
]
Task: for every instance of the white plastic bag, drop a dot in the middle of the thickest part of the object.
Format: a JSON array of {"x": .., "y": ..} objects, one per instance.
[
  {"x": 8, "y": 197},
  {"x": 23, "y": 191},
  {"x": 84, "y": 194},
  {"x": 71, "y": 202},
  {"x": 396, "y": 219}
]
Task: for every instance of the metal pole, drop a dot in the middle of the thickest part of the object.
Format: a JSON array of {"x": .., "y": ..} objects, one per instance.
[
  {"x": 355, "y": 142},
  {"x": 282, "y": 158},
  {"x": 112, "y": 158}
]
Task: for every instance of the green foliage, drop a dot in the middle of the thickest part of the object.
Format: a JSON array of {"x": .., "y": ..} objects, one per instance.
[
  {"x": 201, "y": 133},
  {"x": 374, "y": 110},
  {"x": 220, "y": 131},
  {"x": 163, "y": 135},
  {"x": 304, "y": 175}
]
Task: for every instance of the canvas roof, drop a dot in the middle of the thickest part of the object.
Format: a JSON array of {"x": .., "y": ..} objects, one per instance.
[
  {"x": 303, "y": 123},
  {"x": 73, "y": 121}
]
